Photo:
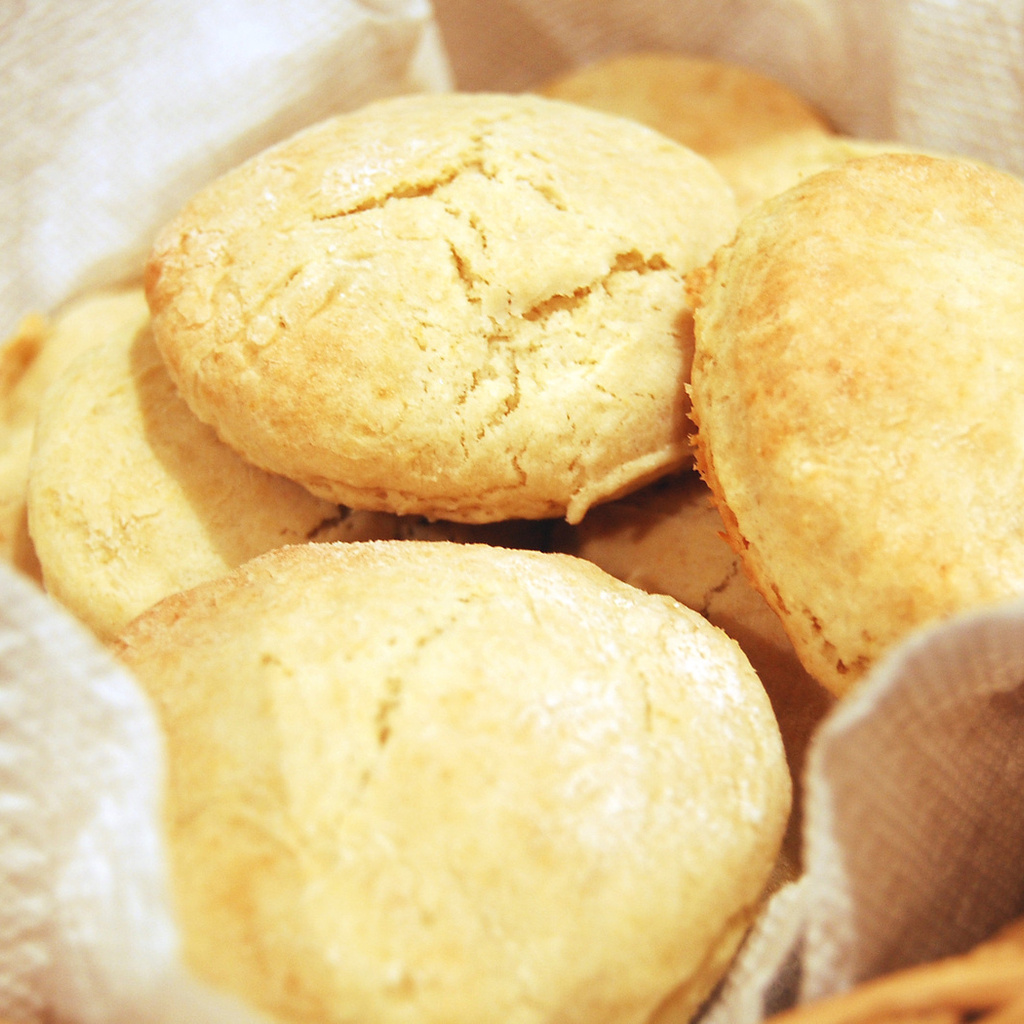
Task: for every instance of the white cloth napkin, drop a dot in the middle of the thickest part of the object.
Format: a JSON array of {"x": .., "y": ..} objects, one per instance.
[
  {"x": 116, "y": 111},
  {"x": 913, "y": 821},
  {"x": 86, "y": 928}
]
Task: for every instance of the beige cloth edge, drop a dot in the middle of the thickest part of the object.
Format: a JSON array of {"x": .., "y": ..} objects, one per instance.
[
  {"x": 122, "y": 109},
  {"x": 88, "y": 933},
  {"x": 914, "y": 822}
]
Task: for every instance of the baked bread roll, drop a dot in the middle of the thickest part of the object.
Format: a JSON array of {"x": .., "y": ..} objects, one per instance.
[
  {"x": 131, "y": 498},
  {"x": 421, "y": 781},
  {"x": 710, "y": 105},
  {"x": 856, "y": 390},
  {"x": 767, "y": 167},
  {"x": 30, "y": 360},
  {"x": 462, "y": 306}
]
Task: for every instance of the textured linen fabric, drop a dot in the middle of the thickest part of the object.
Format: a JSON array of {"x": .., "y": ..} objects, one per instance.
[
  {"x": 119, "y": 111},
  {"x": 913, "y": 821},
  {"x": 936, "y": 73}
]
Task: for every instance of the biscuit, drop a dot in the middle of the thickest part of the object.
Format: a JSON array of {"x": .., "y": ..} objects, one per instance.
[
  {"x": 422, "y": 781},
  {"x": 768, "y": 167},
  {"x": 710, "y": 105},
  {"x": 131, "y": 498},
  {"x": 856, "y": 389},
  {"x": 668, "y": 538},
  {"x": 462, "y": 306},
  {"x": 30, "y": 360}
]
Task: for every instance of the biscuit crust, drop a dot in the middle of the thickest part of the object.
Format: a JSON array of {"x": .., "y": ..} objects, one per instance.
[
  {"x": 130, "y": 498},
  {"x": 765, "y": 168},
  {"x": 424, "y": 781},
  {"x": 31, "y": 359},
  {"x": 857, "y": 394},
  {"x": 469, "y": 307},
  {"x": 708, "y": 104}
]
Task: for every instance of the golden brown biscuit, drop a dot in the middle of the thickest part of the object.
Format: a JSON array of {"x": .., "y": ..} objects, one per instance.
[
  {"x": 771, "y": 166},
  {"x": 462, "y": 306},
  {"x": 668, "y": 538},
  {"x": 708, "y": 104},
  {"x": 131, "y": 498},
  {"x": 30, "y": 360},
  {"x": 857, "y": 391},
  {"x": 421, "y": 781}
]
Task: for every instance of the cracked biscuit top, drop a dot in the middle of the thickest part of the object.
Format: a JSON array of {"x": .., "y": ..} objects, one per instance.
[
  {"x": 464, "y": 306},
  {"x": 857, "y": 391},
  {"x": 415, "y": 782}
]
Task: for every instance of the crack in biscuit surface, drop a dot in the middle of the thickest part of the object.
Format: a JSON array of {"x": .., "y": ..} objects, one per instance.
[{"x": 473, "y": 318}]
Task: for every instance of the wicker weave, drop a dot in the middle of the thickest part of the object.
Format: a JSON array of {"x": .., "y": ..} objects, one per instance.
[{"x": 985, "y": 985}]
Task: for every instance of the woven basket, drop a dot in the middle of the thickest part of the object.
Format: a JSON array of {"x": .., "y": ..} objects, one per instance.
[{"x": 985, "y": 985}]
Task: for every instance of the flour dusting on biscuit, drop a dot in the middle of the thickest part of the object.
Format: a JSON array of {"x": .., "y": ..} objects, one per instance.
[
  {"x": 415, "y": 781},
  {"x": 465, "y": 306}
]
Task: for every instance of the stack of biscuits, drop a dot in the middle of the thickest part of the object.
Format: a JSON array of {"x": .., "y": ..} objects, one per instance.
[{"x": 493, "y": 493}]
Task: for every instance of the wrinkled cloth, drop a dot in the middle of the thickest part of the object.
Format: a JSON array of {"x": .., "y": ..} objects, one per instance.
[
  {"x": 913, "y": 822},
  {"x": 118, "y": 110}
]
